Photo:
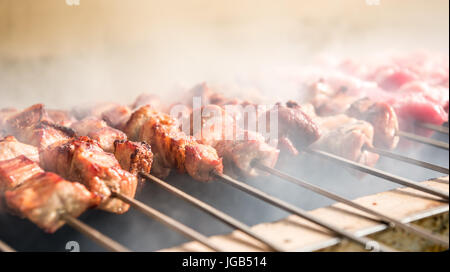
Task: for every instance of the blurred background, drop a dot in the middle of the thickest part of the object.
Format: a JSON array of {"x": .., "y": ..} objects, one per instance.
[
  {"x": 65, "y": 55},
  {"x": 113, "y": 50}
]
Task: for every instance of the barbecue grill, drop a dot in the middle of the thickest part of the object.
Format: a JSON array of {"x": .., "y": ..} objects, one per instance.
[
  {"x": 360, "y": 224},
  {"x": 318, "y": 201}
]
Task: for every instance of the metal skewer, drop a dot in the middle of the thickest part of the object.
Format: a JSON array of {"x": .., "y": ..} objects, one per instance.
[
  {"x": 166, "y": 220},
  {"x": 379, "y": 173},
  {"x": 384, "y": 218},
  {"x": 94, "y": 234},
  {"x": 212, "y": 211},
  {"x": 366, "y": 243},
  {"x": 423, "y": 164},
  {"x": 5, "y": 248},
  {"x": 424, "y": 140},
  {"x": 434, "y": 127}
]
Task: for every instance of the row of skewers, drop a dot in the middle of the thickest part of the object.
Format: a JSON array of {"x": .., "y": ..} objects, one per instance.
[{"x": 54, "y": 165}]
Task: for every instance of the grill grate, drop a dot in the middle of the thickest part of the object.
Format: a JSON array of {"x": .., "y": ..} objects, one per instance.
[{"x": 110, "y": 244}]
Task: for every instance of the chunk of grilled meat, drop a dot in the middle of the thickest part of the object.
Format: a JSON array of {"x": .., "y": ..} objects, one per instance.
[
  {"x": 34, "y": 126},
  {"x": 297, "y": 126},
  {"x": 344, "y": 136},
  {"x": 329, "y": 99},
  {"x": 117, "y": 117},
  {"x": 10, "y": 148},
  {"x": 98, "y": 130},
  {"x": 237, "y": 147},
  {"x": 4, "y": 115},
  {"x": 83, "y": 160},
  {"x": 61, "y": 117},
  {"x": 92, "y": 110},
  {"x": 147, "y": 99},
  {"x": 293, "y": 123},
  {"x": 14, "y": 172},
  {"x": 172, "y": 148},
  {"x": 44, "y": 197},
  {"x": 133, "y": 157},
  {"x": 383, "y": 119}
]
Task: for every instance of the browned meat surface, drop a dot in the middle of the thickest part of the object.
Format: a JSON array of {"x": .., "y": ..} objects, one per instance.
[
  {"x": 334, "y": 94},
  {"x": 297, "y": 126},
  {"x": 173, "y": 148},
  {"x": 61, "y": 117},
  {"x": 293, "y": 123},
  {"x": 14, "y": 172},
  {"x": 383, "y": 119},
  {"x": 344, "y": 136},
  {"x": 44, "y": 197},
  {"x": 147, "y": 99},
  {"x": 34, "y": 126},
  {"x": 93, "y": 110},
  {"x": 10, "y": 148},
  {"x": 133, "y": 157},
  {"x": 117, "y": 117},
  {"x": 331, "y": 98},
  {"x": 98, "y": 130},
  {"x": 83, "y": 160},
  {"x": 237, "y": 147},
  {"x": 4, "y": 114}
]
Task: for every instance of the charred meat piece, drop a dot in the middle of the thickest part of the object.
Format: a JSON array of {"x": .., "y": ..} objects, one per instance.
[
  {"x": 147, "y": 99},
  {"x": 383, "y": 119},
  {"x": 93, "y": 110},
  {"x": 61, "y": 117},
  {"x": 297, "y": 126},
  {"x": 10, "y": 148},
  {"x": 348, "y": 141},
  {"x": 44, "y": 197},
  {"x": 4, "y": 114},
  {"x": 14, "y": 172},
  {"x": 117, "y": 117},
  {"x": 83, "y": 160},
  {"x": 133, "y": 157},
  {"x": 344, "y": 136},
  {"x": 238, "y": 148},
  {"x": 34, "y": 126},
  {"x": 174, "y": 149},
  {"x": 98, "y": 130}
]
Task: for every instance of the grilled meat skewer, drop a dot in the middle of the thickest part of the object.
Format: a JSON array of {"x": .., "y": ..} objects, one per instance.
[
  {"x": 237, "y": 150},
  {"x": 171, "y": 147},
  {"x": 82, "y": 159},
  {"x": 76, "y": 159},
  {"x": 41, "y": 196},
  {"x": 132, "y": 156}
]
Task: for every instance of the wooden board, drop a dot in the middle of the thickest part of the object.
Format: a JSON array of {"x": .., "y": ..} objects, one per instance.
[{"x": 297, "y": 234}]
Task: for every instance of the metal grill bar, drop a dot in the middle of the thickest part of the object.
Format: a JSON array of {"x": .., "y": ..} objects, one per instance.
[
  {"x": 94, "y": 234},
  {"x": 5, "y": 248},
  {"x": 366, "y": 243},
  {"x": 166, "y": 220},
  {"x": 424, "y": 140},
  {"x": 379, "y": 173},
  {"x": 384, "y": 218},
  {"x": 420, "y": 163},
  {"x": 434, "y": 127},
  {"x": 212, "y": 211}
]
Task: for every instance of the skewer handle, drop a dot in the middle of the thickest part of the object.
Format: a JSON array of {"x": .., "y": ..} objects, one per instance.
[
  {"x": 423, "y": 164},
  {"x": 379, "y": 173},
  {"x": 383, "y": 218},
  {"x": 166, "y": 220},
  {"x": 94, "y": 234},
  {"x": 434, "y": 127},
  {"x": 365, "y": 242},
  {"x": 424, "y": 140},
  {"x": 212, "y": 211}
]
